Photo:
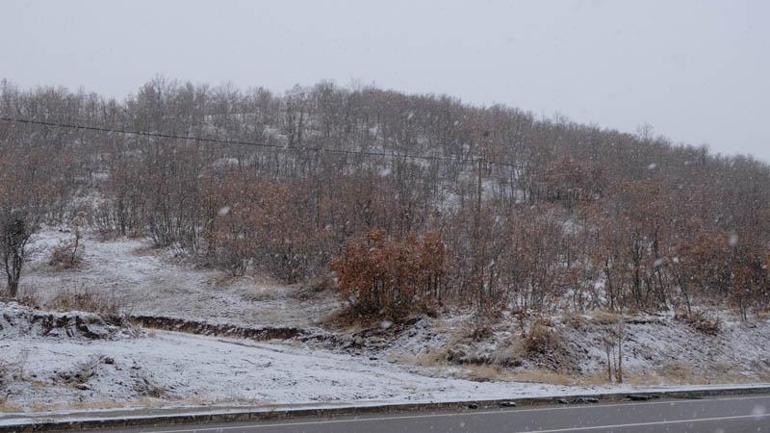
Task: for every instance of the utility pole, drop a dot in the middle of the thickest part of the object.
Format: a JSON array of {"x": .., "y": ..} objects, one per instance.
[
  {"x": 479, "y": 254},
  {"x": 478, "y": 191}
]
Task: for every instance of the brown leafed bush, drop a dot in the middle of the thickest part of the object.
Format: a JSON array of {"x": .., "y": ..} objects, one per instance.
[
  {"x": 391, "y": 277},
  {"x": 264, "y": 224}
]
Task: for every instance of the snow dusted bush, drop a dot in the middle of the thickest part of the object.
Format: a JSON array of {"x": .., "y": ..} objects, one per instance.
[
  {"x": 68, "y": 254},
  {"x": 15, "y": 234},
  {"x": 263, "y": 224},
  {"x": 61, "y": 257}
]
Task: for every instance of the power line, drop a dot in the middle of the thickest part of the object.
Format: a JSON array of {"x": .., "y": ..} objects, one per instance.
[{"x": 277, "y": 147}]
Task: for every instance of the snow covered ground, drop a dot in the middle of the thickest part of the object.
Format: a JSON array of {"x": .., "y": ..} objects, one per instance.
[
  {"x": 49, "y": 371},
  {"x": 188, "y": 369},
  {"x": 52, "y": 361},
  {"x": 147, "y": 281},
  {"x": 65, "y": 361}
]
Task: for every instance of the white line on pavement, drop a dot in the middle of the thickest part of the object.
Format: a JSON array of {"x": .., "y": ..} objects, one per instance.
[{"x": 435, "y": 415}]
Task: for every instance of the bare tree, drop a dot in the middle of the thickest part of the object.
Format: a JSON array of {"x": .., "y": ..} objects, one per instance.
[{"x": 15, "y": 233}]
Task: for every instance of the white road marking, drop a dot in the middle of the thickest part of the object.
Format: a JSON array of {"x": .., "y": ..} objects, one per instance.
[
  {"x": 650, "y": 423},
  {"x": 488, "y": 412}
]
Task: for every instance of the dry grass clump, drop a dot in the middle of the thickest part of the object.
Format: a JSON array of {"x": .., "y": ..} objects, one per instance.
[
  {"x": 433, "y": 358},
  {"x": 86, "y": 300},
  {"x": 646, "y": 378},
  {"x": 145, "y": 402},
  {"x": 576, "y": 321},
  {"x": 457, "y": 350},
  {"x": 261, "y": 294},
  {"x": 346, "y": 319},
  {"x": 509, "y": 353},
  {"x": 28, "y": 296},
  {"x": 678, "y": 372},
  {"x": 479, "y": 333},
  {"x": 316, "y": 286},
  {"x": 544, "y": 346},
  {"x": 542, "y": 338},
  {"x": 699, "y": 321},
  {"x": 541, "y": 343},
  {"x": 486, "y": 372},
  {"x": 602, "y": 317},
  {"x": 543, "y": 376},
  {"x": 8, "y": 407}
]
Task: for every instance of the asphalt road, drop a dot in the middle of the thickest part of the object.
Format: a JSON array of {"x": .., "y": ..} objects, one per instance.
[{"x": 717, "y": 415}]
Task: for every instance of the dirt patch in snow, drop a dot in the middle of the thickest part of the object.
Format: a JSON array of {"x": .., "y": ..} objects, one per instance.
[{"x": 221, "y": 330}]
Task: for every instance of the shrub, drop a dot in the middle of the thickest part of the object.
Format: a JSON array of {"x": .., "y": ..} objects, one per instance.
[
  {"x": 15, "y": 234},
  {"x": 391, "y": 277},
  {"x": 602, "y": 317},
  {"x": 66, "y": 255},
  {"x": 264, "y": 224}
]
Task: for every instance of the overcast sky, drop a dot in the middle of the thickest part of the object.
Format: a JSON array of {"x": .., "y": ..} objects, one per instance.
[{"x": 697, "y": 71}]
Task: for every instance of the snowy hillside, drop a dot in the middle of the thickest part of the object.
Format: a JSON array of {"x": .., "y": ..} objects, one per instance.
[{"x": 56, "y": 360}]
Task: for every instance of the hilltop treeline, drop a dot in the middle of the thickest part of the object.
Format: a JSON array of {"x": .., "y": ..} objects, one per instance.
[{"x": 500, "y": 209}]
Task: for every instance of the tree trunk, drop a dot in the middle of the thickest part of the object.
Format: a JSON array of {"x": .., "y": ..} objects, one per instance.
[{"x": 13, "y": 286}]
